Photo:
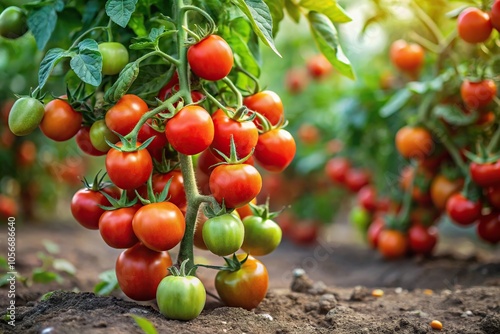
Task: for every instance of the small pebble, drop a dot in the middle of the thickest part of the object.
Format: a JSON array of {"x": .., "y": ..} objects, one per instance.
[
  {"x": 377, "y": 293},
  {"x": 436, "y": 324},
  {"x": 466, "y": 314},
  {"x": 398, "y": 290},
  {"x": 428, "y": 292},
  {"x": 266, "y": 316}
]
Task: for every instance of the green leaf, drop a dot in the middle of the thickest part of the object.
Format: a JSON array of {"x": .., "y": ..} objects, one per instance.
[
  {"x": 3, "y": 263},
  {"x": 454, "y": 115},
  {"x": 326, "y": 38},
  {"x": 143, "y": 46},
  {"x": 293, "y": 10},
  {"x": 260, "y": 19},
  {"x": 330, "y": 8},
  {"x": 137, "y": 25},
  {"x": 90, "y": 11},
  {"x": 120, "y": 11},
  {"x": 153, "y": 77},
  {"x": 4, "y": 279},
  {"x": 87, "y": 63},
  {"x": 64, "y": 265},
  {"x": 396, "y": 102},
  {"x": 42, "y": 23},
  {"x": 124, "y": 82},
  {"x": 144, "y": 324},
  {"x": 276, "y": 10},
  {"x": 47, "y": 296},
  {"x": 42, "y": 276},
  {"x": 108, "y": 282}
]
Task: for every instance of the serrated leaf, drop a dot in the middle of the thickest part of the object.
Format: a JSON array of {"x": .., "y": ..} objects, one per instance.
[
  {"x": 325, "y": 36},
  {"x": 137, "y": 24},
  {"x": 123, "y": 83},
  {"x": 276, "y": 10},
  {"x": 330, "y": 8},
  {"x": 395, "y": 103},
  {"x": 152, "y": 79},
  {"x": 52, "y": 57},
  {"x": 88, "y": 44},
  {"x": 144, "y": 324},
  {"x": 87, "y": 64},
  {"x": 120, "y": 11},
  {"x": 454, "y": 115},
  {"x": 42, "y": 23},
  {"x": 64, "y": 265},
  {"x": 156, "y": 33},
  {"x": 293, "y": 10},
  {"x": 42, "y": 276},
  {"x": 260, "y": 19}
]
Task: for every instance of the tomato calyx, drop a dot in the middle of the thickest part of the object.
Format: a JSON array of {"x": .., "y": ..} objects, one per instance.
[
  {"x": 263, "y": 211},
  {"x": 97, "y": 184},
  {"x": 181, "y": 271},
  {"x": 128, "y": 145},
  {"x": 233, "y": 155},
  {"x": 152, "y": 197},
  {"x": 232, "y": 264},
  {"x": 122, "y": 202},
  {"x": 165, "y": 165}
]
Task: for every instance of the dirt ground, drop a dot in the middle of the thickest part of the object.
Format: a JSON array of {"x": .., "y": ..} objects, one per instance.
[{"x": 334, "y": 296}]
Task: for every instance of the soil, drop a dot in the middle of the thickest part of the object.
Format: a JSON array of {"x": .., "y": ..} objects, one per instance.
[{"x": 460, "y": 287}]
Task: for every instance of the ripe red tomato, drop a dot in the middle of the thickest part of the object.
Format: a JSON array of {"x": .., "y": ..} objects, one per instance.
[
  {"x": 336, "y": 169},
  {"x": 268, "y": 104},
  {"x": 474, "y": 25},
  {"x": 146, "y": 132},
  {"x": 493, "y": 196},
  {"x": 8, "y": 207},
  {"x": 355, "y": 179},
  {"x": 116, "y": 229},
  {"x": 304, "y": 233},
  {"x": 139, "y": 271},
  {"x": 495, "y": 15},
  {"x": 414, "y": 142},
  {"x": 176, "y": 192},
  {"x": 308, "y": 134},
  {"x": 392, "y": 244},
  {"x": 422, "y": 240},
  {"x": 488, "y": 228},
  {"x": 478, "y": 94},
  {"x": 159, "y": 226},
  {"x": 374, "y": 230},
  {"x": 244, "y": 134},
  {"x": 237, "y": 185},
  {"x": 211, "y": 58},
  {"x": 207, "y": 161},
  {"x": 167, "y": 89},
  {"x": 485, "y": 175},
  {"x": 245, "y": 210},
  {"x": 296, "y": 80},
  {"x": 367, "y": 198},
  {"x": 191, "y": 130},
  {"x": 463, "y": 211},
  {"x": 85, "y": 205},
  {"x": 26, "y": 154},
  {"x": 128, "y": 170},
  {"x": 319, "y": 67},
  {"x": 442, "y": 188},
  {"x": 244, "y": 288},
  {"x": 407, "y": 57},
  {"x": 125, "y": 114},
  {"x": 60, "y": 122},
  {"x": 275, "y": 150},
  {"x": 83, "y": 141}
]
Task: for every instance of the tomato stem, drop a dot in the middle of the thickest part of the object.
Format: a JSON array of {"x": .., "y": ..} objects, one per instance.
[
  {"x": 109, "y": 31},
  {"x": 235, "y": 90},
  {"x": 428, "y": 22}
]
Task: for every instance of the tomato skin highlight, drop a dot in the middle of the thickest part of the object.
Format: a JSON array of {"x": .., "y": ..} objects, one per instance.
[
  {"x": 190, "y": 131},
  {"x": 116, "y": 229},
  {"x": 478, "y": 94},
  {"x": 159, "y": 226},
  {"x": 138, "y": 265},
  {"x": 125, "y": 114},
  {"x": 181, "y": 298},
  {"x": 474, "y": 25},
  {"x": 128, "y": 170},
  {"x": 211, "y": 58},
  {"x": 275, "y": 150},
  {"x": 60, "y": 122},
  {"x": 244, "y": 288},
  {"x": 463, "y": 211}
]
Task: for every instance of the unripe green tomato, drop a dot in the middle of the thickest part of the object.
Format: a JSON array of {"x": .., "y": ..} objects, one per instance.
[
  {"x": 223, "y": 235},
  {"x": 25, "y": 116},
  {"x": 99, "y": 132},
  {"x": 360, "y": 218},
  {"x": 114, "y": 57},
  {"x": 181, "y": 297},
  {"x": 261, "y": 236},
  {"x": 13, "y": 23}
]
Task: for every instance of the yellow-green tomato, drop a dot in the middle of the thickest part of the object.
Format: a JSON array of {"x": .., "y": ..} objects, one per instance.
[
  {"x": 99, "y": 132},
  {"x": 262, "y": 236},
  {"x": 223, "y": 235},
  {"x": 114, "y": 57},
  {"x": 25, "y": 116},
  {"x": 181, "y": 297}
]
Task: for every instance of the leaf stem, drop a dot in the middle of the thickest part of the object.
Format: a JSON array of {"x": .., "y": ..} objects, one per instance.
[{"x": 235, "y": 90}]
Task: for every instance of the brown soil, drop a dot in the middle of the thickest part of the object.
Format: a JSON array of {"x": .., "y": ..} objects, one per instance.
[{"x": 336, "y": 299}]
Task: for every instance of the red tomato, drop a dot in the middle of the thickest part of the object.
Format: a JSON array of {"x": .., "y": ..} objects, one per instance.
[
  {"x": 474, "y": 25},
  {"x": 244, "y": 134},
  {"x": 85, "y": 206},
  {"x": 159, "y": 226},
  {"x": 495, "y": 15},
  {"x": 146, "y": 132},
  {"x": 304, "y": 233},
  {"x": 488, "y": 228},
  {"x": 493, "y": 196},
  {"x": 26, "y": 154},
  {"x": 319, "y": 67},
  {"x": 442, "y": 188},
  {"x": 237, "y": 185},
  {"x": 424, "y": 215},
  {"x": 176, "y": 192},
  {"x": 245, "y": 210},
  {"x": 207, "y": 162},
  {"x": 463, "y": 211},
  {"x": 355, "y": 179},
  {"x": 407, "y": 57},
  {"x": 296, "y": 80},
  {"x": 167, "y": 89},
  {"x": 211, "y": 58},
  {"x": 275, "y": 150},
  {"x": 191, "y": 130},
  {"x": 308, "y": 134},
  {"x": 116, "y": 229},
  {"x": 485, "y": 175},
  {"x": 83, "y": 142},
  {"x": 367, "y": 198},
  {"x": 478, "y": 94},
  {"x": 128, "y": 170},
  {"x": 125, "y": 114},
  {"x": 374, "y": 230},
  {"x": 268, "y": 104},
  {"x": 414, "y": 142},
  {"x": 392, "y": 244},
  {"x": 60, "y": 122},
  {"x": 8, "y": 207},
  {"x": 422, "y": 240},
  {"x": 139, "y": 271},
  {"x": 336, "y": 169}
]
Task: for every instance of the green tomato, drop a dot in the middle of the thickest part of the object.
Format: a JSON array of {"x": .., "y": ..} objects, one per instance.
[
  {"x": 114, "y": 57},
  {"x": 223, "y": 235},
  {"x": 360, "y": 218},
  {"x": 25, "y": 116},
  {"x": 261, "y": 236},
  {"x": 13, "y": 22},
  {"x": 181, "y": 298},
  {"x": 99, "y": 132}
]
